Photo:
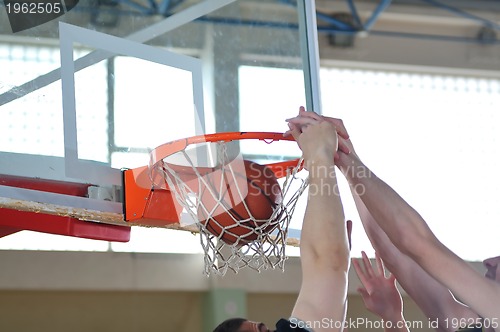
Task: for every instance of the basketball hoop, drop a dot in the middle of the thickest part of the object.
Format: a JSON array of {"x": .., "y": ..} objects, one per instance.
[{"x": 223, "y": 195}]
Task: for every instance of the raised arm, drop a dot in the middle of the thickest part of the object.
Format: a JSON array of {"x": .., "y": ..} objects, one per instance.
[
  {"x": 408, "y": 231},
  {"x": 422, "y": 264},
  {"x": 434, "y": 299},
  {"x": 324, "y": 247}
]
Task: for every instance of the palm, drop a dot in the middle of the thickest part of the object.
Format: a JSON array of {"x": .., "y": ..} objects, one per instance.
[
  {"x": 379, "y": 293},
  {"x": 384, "y": 299}
]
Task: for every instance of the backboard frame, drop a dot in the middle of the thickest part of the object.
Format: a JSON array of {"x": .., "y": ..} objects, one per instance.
[
  {"x": 89, "y": 170},
  {"x": 103, "y": 202}
]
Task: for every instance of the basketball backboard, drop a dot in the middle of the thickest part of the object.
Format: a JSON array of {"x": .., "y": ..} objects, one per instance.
[{"x": 92, "y": 93}]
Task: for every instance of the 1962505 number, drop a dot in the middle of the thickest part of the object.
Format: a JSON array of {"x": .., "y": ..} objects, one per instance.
[{"x": 34, "y": 7}]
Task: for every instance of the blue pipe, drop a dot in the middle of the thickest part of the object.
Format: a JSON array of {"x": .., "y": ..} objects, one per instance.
[
  {"x": 376, "y": 13},
  {"x": 232, "y": 21},
  {"x": 354, "y": 12},
  {"x": 326, "y": 29},
  {"x": 164, "y": 7},
  {"x": 336, "y": 23},
  {"x": 153, "y": 5},
  {"x": 140, "y": 8},
  {"x": 415, "y": 36},
  {"x": 463, "y": 14}
]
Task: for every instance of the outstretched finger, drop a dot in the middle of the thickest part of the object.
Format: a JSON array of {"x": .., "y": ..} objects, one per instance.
[
  {"x": 380, "y": 264},
  {"x": 359, "y": 270},
  {"x": 368, "y": 264},
  {"x": 363, "y": 277}
]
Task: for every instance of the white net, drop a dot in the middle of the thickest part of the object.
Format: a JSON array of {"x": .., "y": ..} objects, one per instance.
[{"x": 240, "y": 209}]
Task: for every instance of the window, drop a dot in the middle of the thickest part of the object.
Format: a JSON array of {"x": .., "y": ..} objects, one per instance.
[{"x": 433, "y": 138}]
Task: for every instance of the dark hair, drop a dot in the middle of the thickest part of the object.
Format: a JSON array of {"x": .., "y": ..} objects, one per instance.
[{"x": 230, "y": 325}]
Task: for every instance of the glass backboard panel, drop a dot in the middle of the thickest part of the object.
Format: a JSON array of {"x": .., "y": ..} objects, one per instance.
[{"x": 133, "y": 79}]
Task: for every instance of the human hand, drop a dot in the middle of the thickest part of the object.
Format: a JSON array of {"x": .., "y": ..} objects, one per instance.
[
  {"x": 298, "y": 123},
  {"x": 317, "y": 139},
  {"x": 379, "y": 293},
  {"x": 345, "y": 154}
]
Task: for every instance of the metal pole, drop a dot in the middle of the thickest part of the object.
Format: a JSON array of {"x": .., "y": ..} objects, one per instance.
[{"x": 308, "y": 33}]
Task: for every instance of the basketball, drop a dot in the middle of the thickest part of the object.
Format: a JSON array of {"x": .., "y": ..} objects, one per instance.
[{"x": 244, "y": 201}]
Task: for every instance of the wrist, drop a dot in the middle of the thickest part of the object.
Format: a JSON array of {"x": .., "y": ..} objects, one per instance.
[
  {"x": 352, "y": 167},
  {"x": 319, "y": 160}
]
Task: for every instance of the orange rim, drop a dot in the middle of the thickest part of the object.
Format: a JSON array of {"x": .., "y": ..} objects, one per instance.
[
  {"x": 138, "y": 182},
  {"x": 279, "y": 168}
]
